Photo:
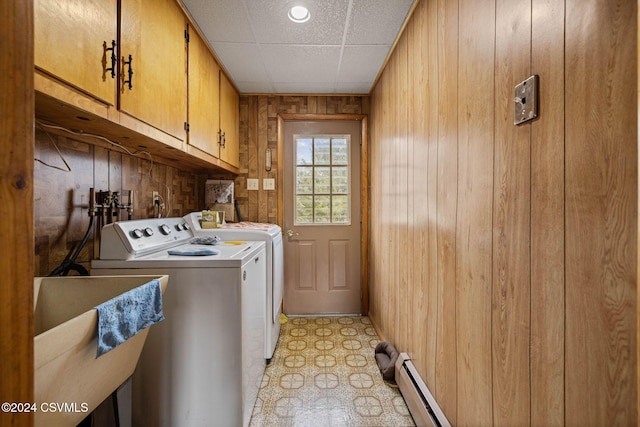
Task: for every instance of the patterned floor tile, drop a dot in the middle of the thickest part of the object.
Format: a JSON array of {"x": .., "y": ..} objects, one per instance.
[{"x": 324, "y": 373}]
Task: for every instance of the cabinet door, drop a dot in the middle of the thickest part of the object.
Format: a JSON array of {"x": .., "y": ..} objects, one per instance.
[
  {"x": 152, "y": 32},
  {"x": 229, "y": 122},
  {"x": 203, "y": 97},
  {"x": 71, "y": 38}
]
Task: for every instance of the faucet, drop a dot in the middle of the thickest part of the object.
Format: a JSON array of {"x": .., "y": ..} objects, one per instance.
[{"x": 108, "y": 205}]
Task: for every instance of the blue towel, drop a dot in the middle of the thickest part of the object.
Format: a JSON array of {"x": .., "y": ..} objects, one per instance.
[
  {"x": 124, "y": 316},
  {"x": 193, "y": 252}
]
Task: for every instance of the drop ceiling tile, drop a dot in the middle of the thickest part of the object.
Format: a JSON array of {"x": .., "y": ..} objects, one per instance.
[
  {"x": 361, "y": 63},
  {"x": 376, "y": 21},
  {"x": 242, "y": 61},
  {"x": 221, "y": 20},
  {"x": 264, "y": 52},
  {"x": 271, "y": 24},
  {"x": 300, "y": 64}
]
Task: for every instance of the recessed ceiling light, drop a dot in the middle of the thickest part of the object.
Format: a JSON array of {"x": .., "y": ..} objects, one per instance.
[{"x": 299, "y": 14}]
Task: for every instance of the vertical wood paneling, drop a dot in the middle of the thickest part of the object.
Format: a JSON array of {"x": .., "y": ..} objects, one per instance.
[
  {"x": 446, "y": 210},
  {"x": 380, "y": 189},
  {"x": 393, "y": 211},
  {"x": 16, "y": 210},
  {"x": 401, "y": 171},
  {"x": 375, "y": 184},
  {"x": 476, "y": 98},
  {"x": 601, "y": 211},
  {"x": 421, "y": 289},
  {"x": 547, "y": 216},
  {"x": 511, "y": 221},
  {"x": 427, "y": 22},
  {"x": 519, "y": 211},
  {"x": 263, "y": 142}
]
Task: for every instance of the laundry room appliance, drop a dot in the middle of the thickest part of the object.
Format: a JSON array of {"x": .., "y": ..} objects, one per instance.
[
  {"x": 204, "y": 363},
  {"x": 271, "y": 234}
]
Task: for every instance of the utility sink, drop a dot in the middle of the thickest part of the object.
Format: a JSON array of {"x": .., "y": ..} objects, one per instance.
[{"x": 70, "y": 382}]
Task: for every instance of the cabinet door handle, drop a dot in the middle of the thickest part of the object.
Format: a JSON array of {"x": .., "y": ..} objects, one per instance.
[
  {"x": 129, "y": 72},
  {"x": 114, "y": 59},
  {"x": 222, "y": 140}
]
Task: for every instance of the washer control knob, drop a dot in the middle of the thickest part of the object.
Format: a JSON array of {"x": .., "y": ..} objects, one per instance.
[
  {"x": 165, "y": 229},
  {"x": 137, "y": 233},
  {"x": 185, "y": 226},
  {"x": 148, "y": 232}
]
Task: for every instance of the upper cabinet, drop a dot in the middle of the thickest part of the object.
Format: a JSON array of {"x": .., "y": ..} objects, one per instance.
[
  {"x": 229, "y": 122},
  {"x": 153, "y": 64},
  {"x": 75, "y": 41},
  {"x": 204, "y": 94},
  {"x": 124, "y": 69},
  {"x": 214, "y": 125}
]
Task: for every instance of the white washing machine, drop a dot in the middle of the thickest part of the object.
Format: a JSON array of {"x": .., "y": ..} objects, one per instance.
[
  {"x": 272, "y": 235},
  {"x": 203, "y": 365}
]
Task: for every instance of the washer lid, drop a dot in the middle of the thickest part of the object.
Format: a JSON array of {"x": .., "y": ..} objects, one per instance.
[{"x": 228, "y": 256}]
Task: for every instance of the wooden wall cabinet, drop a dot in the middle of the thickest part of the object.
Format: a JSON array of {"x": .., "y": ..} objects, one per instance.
[
  {"x": 204, "y": 92},
  {"x": 153, "y": 37},
  {"x": 141, "y": 98},
  {"x": 229, "y": 122},
  {"x": 71, "y": 42},
  {"x": 213, "y": 115}
]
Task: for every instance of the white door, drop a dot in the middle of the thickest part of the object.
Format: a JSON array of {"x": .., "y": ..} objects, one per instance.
[{"x": 322, "y": 217}]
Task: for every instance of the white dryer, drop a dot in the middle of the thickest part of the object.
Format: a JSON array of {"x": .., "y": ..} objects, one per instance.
[
  {"x": 272, "y": 235},
  {"x": 203, "y": 365}
]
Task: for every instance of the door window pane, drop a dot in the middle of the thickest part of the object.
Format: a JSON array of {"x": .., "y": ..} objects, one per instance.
[
  {"x": 304, "y": 151},
  {"x": 321, "y": 151},
  {"x": 340, "y": 151},
  {"x": 340, "y": 180},
  {"x": 304, "y": 209},
  {"x": 322, "y": 209},
  {"x": 322, "y": 179},
  {"x": 340, "y": 210},
  {"x": 304, "y": 180}
]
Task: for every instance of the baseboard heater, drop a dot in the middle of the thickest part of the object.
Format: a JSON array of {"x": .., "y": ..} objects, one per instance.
[{"x": 421, "y": 403}]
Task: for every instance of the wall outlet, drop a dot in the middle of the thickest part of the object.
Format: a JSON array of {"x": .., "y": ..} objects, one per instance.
[
  {"x": 252, "y": 184},
  {"x": 268, "y": 184},
  {"x": 155, "y": 198}
]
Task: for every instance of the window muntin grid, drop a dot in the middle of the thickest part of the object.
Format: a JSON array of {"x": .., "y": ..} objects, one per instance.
[{"x": 322, "y": 174}]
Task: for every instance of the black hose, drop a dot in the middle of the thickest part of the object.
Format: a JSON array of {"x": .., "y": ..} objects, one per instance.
[
  {"x": 69, "y": 264},
  {"x": 235, "y": 203}
]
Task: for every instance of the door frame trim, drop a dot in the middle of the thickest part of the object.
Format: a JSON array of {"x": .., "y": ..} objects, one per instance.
[{"x": 364, "y": 187}]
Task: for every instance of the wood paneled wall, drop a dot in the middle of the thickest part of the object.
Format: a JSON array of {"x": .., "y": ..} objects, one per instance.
[
  {"x": 258, "y": 130},
  {"x": 16, "y": 205},
  {"x": 502, "y": 257},
  {"x": 62, "y": 198}
]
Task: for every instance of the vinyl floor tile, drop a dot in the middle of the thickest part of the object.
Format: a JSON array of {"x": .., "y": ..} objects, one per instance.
[{"x": 324, "y": 374}]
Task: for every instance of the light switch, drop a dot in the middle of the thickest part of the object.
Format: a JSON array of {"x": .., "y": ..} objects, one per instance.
[
  {"x": 268, "y": 184},
  {"x": 526, "y": 100},
  {"x": 252, "y": 183}
]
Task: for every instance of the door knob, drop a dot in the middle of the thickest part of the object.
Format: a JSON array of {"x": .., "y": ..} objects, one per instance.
[{"x": 292, "y": 233}]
